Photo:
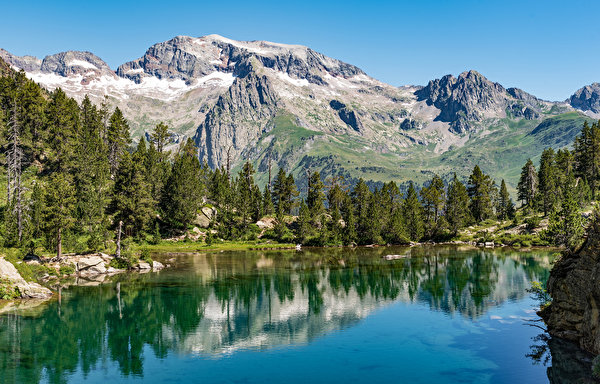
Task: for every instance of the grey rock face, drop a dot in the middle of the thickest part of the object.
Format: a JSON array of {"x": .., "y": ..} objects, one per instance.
[
  {"x": 574, "y": 285},
  {"x": 237, "y": 120},
  {"x": 470, "y": 97},
  {"x": 587, "y": 98},
  {"x": 26, "y": 63},
  {"x": 346, "y": 115},
  {"x": 72, "y": 63},
  {"x": 190, "y": 58}
]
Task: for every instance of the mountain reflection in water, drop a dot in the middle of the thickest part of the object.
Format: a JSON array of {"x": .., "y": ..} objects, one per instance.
[{"x": 213, "y": 305}]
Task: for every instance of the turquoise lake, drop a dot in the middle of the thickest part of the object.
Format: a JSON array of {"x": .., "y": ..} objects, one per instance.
[{"x": 435, "y": 315}]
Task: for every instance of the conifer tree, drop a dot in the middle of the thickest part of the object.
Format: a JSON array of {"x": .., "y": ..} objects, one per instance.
[
  {"x": 315, "y": 195},
  {"x": 183, "y": 197},
  {"x": 480, "y": 191},
  {"x": 528, "y": 184},
  {"x": 548, "y": 181},
  {"x": 59, "y": 211},
  {"x": 506, "y": 207},
  {"x": 160, "y": 137},
  {"x": 118, "y": 139},
  {"x": 131, "y": 200},
  {"x": 433, "y": 197},
  {"x": 457, "y": 205},
  {"x": 413, "y": 214}
]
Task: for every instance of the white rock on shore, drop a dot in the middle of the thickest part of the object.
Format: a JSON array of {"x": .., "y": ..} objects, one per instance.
[{"x": 27, "y": 289}]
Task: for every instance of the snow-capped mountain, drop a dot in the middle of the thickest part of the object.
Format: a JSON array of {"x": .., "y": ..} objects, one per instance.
[{"x": 259, "y": 100}]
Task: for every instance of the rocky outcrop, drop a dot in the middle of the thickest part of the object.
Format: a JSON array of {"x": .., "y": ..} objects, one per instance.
[
  {"x": 72, "y": 63},
  {"x": 237, "y": 120},
  {"x": 574, "y": 285},
  {"x": 587, "y": 98},
  {"x": 190, "y": 58},
  {"x": 347, "y": 115},
  {"x": 26, "y": 63},
  {"x": 26, "y": 289},
  {"x": 470, "y": 98}
]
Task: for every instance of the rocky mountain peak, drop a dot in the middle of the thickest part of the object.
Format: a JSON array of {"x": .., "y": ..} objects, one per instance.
[
  {"x": 471, "y": 97},
  {"x": 587, "y": 98},
  {"x": 26, "y": 63},
  {"x": 189, "y": 58},
  {"x": 72, "y": 63}
]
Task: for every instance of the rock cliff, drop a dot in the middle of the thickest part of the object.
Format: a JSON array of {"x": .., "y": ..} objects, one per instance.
[{"x": 574, "y": 285}]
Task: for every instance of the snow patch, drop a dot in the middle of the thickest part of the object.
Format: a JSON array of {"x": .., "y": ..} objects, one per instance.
[
  {"x": 296, "y": 82},
  {"x": 123, "y": 88},
  {"x": 81, "y": 63}
]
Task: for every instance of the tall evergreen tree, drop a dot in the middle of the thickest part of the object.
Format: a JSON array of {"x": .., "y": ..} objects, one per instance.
[
  {"x": 131, "y": 200},
  {"x": 506, "y": 207},
  {"x": 528, "y": 184},
  {"x": 118, "y": 139},
  {"x": 182, "y": 198},
  {"x": 547, "y": 176},
  {"x": 480, "y": 190},
  {"x": 59, "y": 208},
  {"x": 315, "y": 195},
  {"x": 413, "y": 214},
  {"x": 433, "y": 197}
]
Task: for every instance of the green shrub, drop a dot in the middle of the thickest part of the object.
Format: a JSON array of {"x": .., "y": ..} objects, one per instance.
[
  {"x": 67, "y": 270},
  {"x": 145, "y": 255},
  {"x": 532, "y": 223},
  {"x": 539, "y": 293},
  {"x": 8, "y": 291}
]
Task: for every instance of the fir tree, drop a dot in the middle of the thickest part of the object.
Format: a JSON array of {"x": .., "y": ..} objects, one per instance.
[
  {"x": 480, "y": 193},
  {"x": 59, "y": 211},
  {"x": 183, "y": 197},
  {"x": 315, "y": 195},
  {"x": 528, "y": 184},
  {"x": 548, "y": 181},
  {"x": 506, "y": 208},
  {"x": 413, "y": 214},
  {"x": 118, "y": 139},
  {"x": 457, "y": 205}
]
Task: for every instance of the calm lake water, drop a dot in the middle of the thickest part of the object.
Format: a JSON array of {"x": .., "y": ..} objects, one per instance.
[{"x": 440, "y": 315}]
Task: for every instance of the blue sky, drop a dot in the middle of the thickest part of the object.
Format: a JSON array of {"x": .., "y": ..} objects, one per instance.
[{"x": 549, "y": 48}]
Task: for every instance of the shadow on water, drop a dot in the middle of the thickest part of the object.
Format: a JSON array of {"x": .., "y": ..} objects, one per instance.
[
  {"x": 215, "y": 304},
  {"x": 565, "y": 361}
]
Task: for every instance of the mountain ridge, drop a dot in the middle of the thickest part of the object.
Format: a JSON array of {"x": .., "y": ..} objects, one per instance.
[{"x": 235, "y": 97}]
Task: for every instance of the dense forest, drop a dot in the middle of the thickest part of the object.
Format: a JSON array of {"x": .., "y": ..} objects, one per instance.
[{"x": 75, "y": 183}]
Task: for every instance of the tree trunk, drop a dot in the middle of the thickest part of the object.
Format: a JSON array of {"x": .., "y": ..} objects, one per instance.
[
  {"x": 119, "y": 239},
  {"x": 59, "y": 244}
]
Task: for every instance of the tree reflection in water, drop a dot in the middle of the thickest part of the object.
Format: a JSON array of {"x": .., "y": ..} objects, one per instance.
[{"x": 215, "y": 304}]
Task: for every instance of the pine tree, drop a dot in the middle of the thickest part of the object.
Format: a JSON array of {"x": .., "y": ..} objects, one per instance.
[
  {"x": 182, "y": 198},
  {"x": 480, "y": 192},
  {"x": 59, "y": 205},
  {"x": 413, "y": 214},
  {"x": 587, "y": 155},
  {"x": 528, "y": 184},
  {"x": 118, "y": 139},
  {"x": 506, "y": 208},
  {"x": 304, "y": 226},
  {"x": 548, "y": 181},
  {"x": 131, "y": 200},
  {"x": 457, "y": 205},
  {"x": 315, "y": 195},
  {"x": 566, "y": 227},
  {"x": 160, "y": 137},
  {"x": 433, "y": 197}
]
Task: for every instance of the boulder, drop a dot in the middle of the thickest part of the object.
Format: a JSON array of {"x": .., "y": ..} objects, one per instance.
[
  {"x": 89, "y": 261},
  {"x": 27, "y": 289},
  {"x": 157, "y": 266},
  {"x": 143, "y": 265}
]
